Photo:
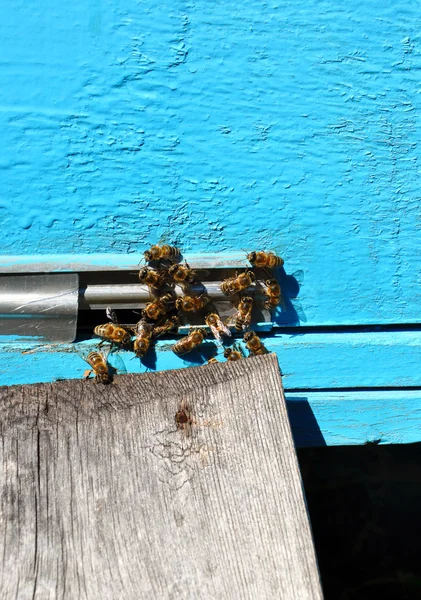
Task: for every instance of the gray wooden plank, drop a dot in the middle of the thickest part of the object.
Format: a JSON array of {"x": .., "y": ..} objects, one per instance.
[{"x": 104, "y": 496}]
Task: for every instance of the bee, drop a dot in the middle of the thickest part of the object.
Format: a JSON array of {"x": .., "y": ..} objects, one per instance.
[
  {"x": 254, "y": 344},
  {"x": 273, "y": 294},
  {"x": 231, "y": 354},
  {"x": 265, "y": 259},
  {"x": 160, "y": 306},
  {"x": 191, "y": 303},
  {"x": 152, "y": 278},
  {"x": 164, "y": 252},
  {"x": 218, "y": 328},
  {"x": 168, "y": 324},
  {"x": 143, "y": 332},
  {"x": 99, "y": 365},
  {"x": 242, "y": 317},
  {"x": 182, "y": 274},
  {"x": 189, "y": 342},
  {"x": 212, "y": 361},
  {"x": 232, "y": 285}
]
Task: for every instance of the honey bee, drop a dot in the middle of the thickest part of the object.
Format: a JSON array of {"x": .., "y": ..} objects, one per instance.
[
  {"x": 232, "y": 285},
  {"x": 212, "y": 361},
  {"x": 112, "y": 332},
  {"x": 182, "y": 274},
  {"x": 168, "y": 324},
  {"x": 164, "y": 252},
  {"x": 191, "y": 303},
  {"x": 218, "y": 328},
  {"x": 254, "y": 343},
  {"x": 242, "y": 317},
  {"x": 99, "y": 365},
  {"x": 151, "y": 277},
  {"x": 160, "y": 306},
  {"x": 189, "y": 342},
  {"x": 273, "y": 294},
  {"x": 231, "y": 354},
  {"x": 143, "y": 332},
  {"x": 265, "y": 259}
]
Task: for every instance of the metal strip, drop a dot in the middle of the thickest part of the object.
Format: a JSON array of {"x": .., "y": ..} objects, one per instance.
[{"x": 44, "y": 307}]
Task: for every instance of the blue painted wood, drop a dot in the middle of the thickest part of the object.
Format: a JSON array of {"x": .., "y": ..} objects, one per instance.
[
  {"x": 224, "y": 128},
  {"x": 308, "y": 361},
  {"x": 347, "y": 418},
  {"x": 221, "y": 128}
]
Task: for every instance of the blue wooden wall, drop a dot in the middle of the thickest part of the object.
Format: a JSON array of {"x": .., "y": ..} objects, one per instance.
[{"x": 226, "y": 126}]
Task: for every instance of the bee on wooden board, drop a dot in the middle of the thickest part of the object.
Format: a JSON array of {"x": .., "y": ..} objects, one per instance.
[
  {"x": 164, "y": 252},
  {"x": 191, "y": 303},
  {"x": 113, "y": 331},
  {"x": 233, "y": 285},
  {"x": 232, "y": 354},
  {"x": 242, "y": 317},
  {"x": 152, "y": 278},
  {"x": 159, "y": 307},
  {"x": 265, "y": 259},
  {"x": 143, "y": 332},
  {"x": 168, "y": 324},
  {"x": 273, "y": 294},
  {"x": 189, "y": 342},
  {"x": 254, "y": 343},
  {"x": 182, "y": 274},
  {"x": 218, "y": 328},
  {"x": 98, "y": 362}
]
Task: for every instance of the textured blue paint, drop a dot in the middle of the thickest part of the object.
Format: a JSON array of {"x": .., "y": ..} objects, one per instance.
[
  {"x": 341, "y": 419},
  {"x": 221, "y": 127},
  {"x": 309, "y": 361}
]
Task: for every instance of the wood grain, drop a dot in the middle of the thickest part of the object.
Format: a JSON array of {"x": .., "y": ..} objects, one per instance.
[{"x": 103, "y": 496}]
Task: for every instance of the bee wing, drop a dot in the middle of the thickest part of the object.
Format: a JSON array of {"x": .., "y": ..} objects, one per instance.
[
  {"x": 215, "y": 332},
  {"x": 237, "y": 346},
  {"x": 117, "y": 362},
  {"x": 224, "y": 328},
  {"x": 111, "y": 314}
]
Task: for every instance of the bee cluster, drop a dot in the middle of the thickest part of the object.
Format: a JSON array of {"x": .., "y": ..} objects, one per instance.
[{"x": 165, "y": 312}]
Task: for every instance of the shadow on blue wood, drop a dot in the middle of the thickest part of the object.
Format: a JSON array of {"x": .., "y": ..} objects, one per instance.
[{"x": 305, "y": 428}]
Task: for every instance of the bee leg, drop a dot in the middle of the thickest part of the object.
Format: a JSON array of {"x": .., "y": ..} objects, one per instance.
[{"x": 87, "y": 373}]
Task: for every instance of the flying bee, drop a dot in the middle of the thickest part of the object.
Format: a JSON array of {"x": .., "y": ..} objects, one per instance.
[
  {"x": 152, "y": 278},
  {"x": 191, "y": 303},
  {"x": 189, "y": 342},
  {"x": 98, "y": 362},
  {"x": 164, "y": 252},
  {"x": 143, "y": 332},
  {"x": 168, "y": 324},
  {"x": 218, "y": 328},
  {"x": 273, "y": 294},
  {"x": 182, "y": 274},
  {"x": 231, "y": 354},
  {"x": 159, "y": 306},
  {"x": 232, "y": 285},
  {"x": 254, "y": 344},
  {"x": 265, "y": 259},
  {"x": 242, "y": 317}
]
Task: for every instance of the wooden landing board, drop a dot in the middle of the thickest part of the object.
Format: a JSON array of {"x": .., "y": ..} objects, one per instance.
[{"x": 103, "y": 496}]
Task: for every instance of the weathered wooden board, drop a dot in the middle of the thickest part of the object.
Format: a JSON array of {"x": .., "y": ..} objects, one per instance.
[
  {"x": 104, "y": 497},
  {"x": 220, "y": 127},
  {"x": 308, "y": 361}
]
